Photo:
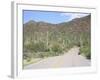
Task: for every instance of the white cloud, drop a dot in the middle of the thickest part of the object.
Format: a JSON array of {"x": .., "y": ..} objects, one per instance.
[{"x": 74, "y": 15}]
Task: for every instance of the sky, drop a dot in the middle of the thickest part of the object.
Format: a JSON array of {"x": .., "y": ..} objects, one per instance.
[{"x": 50, "y": 17}]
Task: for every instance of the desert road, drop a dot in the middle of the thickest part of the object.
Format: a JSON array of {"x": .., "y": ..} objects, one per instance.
[{"x": 69, "y": 59}]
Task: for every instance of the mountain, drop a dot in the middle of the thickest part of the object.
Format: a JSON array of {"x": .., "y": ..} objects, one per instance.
[{"x": 77, "y": 25}]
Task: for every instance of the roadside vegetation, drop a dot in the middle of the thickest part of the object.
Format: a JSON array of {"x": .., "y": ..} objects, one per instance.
[{"x": 46, "y": 44}]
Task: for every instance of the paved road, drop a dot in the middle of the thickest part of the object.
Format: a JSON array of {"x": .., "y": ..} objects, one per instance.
[{"x": 69, "y": 59}]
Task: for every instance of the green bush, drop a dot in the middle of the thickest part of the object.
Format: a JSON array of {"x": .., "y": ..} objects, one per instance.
[
  {"x": 56, "y": 47},
  {"x": 36, "y": 47},
  {"x": 85, "y": 50},
  {"x": 39, "y": 47},
  {"x": 27, "y": 56}
]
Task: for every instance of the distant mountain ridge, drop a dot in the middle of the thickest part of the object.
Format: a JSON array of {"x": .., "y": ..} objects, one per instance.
[{"x": 76, "y": 25}]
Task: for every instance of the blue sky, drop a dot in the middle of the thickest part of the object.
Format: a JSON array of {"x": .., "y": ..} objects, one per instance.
[{"x": 50, "y": 17}]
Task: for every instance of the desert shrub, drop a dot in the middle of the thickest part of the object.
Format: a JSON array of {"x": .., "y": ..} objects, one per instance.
[
  {"x": 39, "y": 47},
  {"x": 36, "y": 47},
  {"x": 28, "y": 59},
  {"x": 56, "y": 47},
  {"x": 32, "y": 49},
  {"x": 29, "y": 47},
  {"x": 86, "y": 51},
  {"x": 27, "y": 56},
  {"x": 41, "y": 55},
  {"x": 47, "y": 49}
]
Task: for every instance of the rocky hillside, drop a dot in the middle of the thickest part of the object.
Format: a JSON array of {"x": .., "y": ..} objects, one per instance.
[{"x": 75, "y": 26}]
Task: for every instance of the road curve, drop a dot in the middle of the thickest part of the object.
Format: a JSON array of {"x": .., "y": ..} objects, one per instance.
[{"x": 69, "y": 59}]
